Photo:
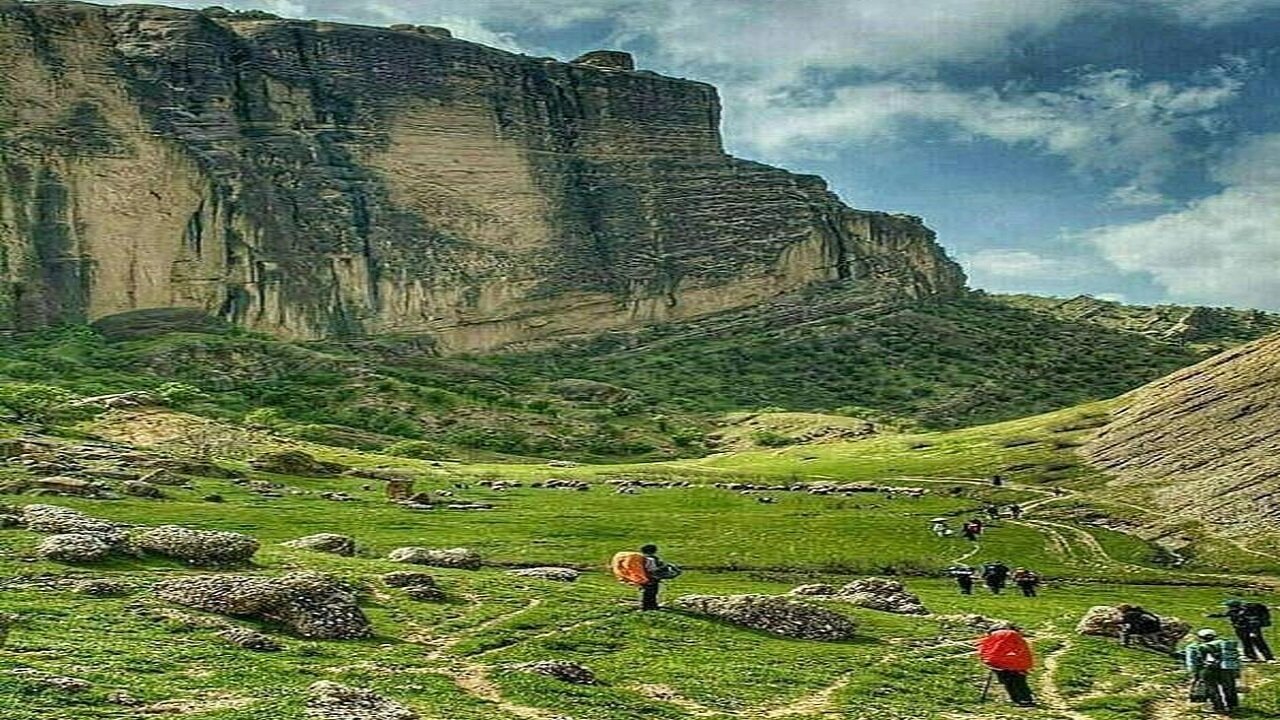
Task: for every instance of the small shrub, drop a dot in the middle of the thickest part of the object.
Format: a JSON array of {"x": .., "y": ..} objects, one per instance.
[
  {"x": 769, "y": 438},
  {"x": 418, "y": 449}
]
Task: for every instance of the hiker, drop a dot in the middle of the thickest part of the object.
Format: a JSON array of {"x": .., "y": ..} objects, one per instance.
[
  {"x": 963, "y": 575},
  {"x": 1015, "y": 511},
  {"x": 1136, "y": 622},
  {"x": 972, "y": 530},
  {"x": 646, "y": 571},
  {"x": 997, "y": 480},
  {"x": 1026, "y": 581},
  {"x": 1215, "y": 666},
  {"x": 1250, "y": 621},
  {"x": 995, "y": 574},
  {"x": 1005, "y": 651},
  {"x": 940, "y": 528},
  {"x": 993, "y": 512}
]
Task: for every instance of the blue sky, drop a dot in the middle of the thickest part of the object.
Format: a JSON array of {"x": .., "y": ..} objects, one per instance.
[{"x": 1128, "y": 149}]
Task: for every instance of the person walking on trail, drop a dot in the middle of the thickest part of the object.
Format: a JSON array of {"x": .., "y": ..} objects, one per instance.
[
  {"x": 1214, "y": 664},
  {"x": 972, "y": 530},
  {"x": 1006, "y": 653},
  {"x": 1015, "y": 511},
  {"x": 1250, "y": 621},
  {"x": 646, "y": 571},
  {"x": 963, "y": 575},
  {"x": 995, "y": 575},
  {"x": 940, "y": 528},
  {"x": 1026, "y": 581}
]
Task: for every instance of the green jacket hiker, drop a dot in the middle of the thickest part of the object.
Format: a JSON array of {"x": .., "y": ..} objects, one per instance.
[{"x": 1215, "y": 666}]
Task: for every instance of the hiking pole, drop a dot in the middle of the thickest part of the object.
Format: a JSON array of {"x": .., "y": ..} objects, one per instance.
[{"x": 986, "y": 689}]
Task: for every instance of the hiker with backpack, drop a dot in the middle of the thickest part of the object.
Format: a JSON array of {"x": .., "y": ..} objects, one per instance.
[
  {"x": 1026, "y": 581},
  {"x": 963, "y": 575},
  {"x": 646, "y": 571},
  {"x": 1250, "y": 620},
  {"x": 995, "y": 575},
  {"x": 1138, "y": 623},
  {"x": 1008, "y": 655},
  {"x": 1215, "y": 667}
]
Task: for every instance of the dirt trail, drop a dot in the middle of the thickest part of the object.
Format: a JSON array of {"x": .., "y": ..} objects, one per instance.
[{"x": 1050, "y": 695}]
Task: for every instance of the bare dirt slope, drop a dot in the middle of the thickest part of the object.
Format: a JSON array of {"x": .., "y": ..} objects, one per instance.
[{"x": 1204, "y": 441}]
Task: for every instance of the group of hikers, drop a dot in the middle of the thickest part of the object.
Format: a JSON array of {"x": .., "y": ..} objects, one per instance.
[
  {"x": 1214, "y": 662},
  {"x": 996, "y": 576},
  {"x": 973, "y": 528}
]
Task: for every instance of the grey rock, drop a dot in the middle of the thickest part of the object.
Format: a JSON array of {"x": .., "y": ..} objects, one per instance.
[
  {"x": 142, "y": 489},
  {"x": 248, "y": 639},
  {"x": 772, "y": 614},
  {"x": 558, "y": 574},
  {"x": 332, "y": 543},
  {"x": 883, "y": 595},
  {"x": 73, "y": 548},
  {"x": 197, "y": 547},
  {"x": 311, "y": 605},
  {"x": 562, "y": 670},
  {"x": 331, "y": 701},
  {"x": 408, "y": 578},
  {"x": 461, "y": 558},
  {"x": 61, "y": 520}
]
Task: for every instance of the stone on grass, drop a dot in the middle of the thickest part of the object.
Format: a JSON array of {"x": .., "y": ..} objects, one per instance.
[
  {"x": 197, "y": 547},
  {"x": 772, "y": 614},
  {"x": 461, "y": 558},
  {"x": 163, "y": 477},
  {"x": 1105, "y": 621},
  {"x": 562, "y": 670},
  {"x": 971, "y": 622},
  {"x": 311, "y": 605},
  {"x": 883, "y": 595},
  {"x": 814, "y": 589},
  {"x": 98, "y": 587},
  {"x": 331, "y": 701},
  {"x": 142, "y": 489},
  {"x": 55, "y": 519},
  {"x": 73, "y": 548},
  {"x": 51, "y": 681},
  {"x": 408, "y": 578},
  {"x": 424, "y": 593},
  {"x": 295, "y": 462},
  {"x": 63, "y": 485},
  {"x": 558, "y": 574},
  {"x": 248, "y": 639},
  {"x": 333, "y": 543}
]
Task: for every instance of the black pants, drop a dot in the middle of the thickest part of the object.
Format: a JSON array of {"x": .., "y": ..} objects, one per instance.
[
  {"x": 995, "y": 585},
  {"x": 1028, "y": 589},
  {"x": 1015, "y": 683},
  {"x": 1253, "y": 644},
  {"x": 966, "y": 586},
  {"x": 1220, "y": 686},
  {"x": 649, "y": 595}
]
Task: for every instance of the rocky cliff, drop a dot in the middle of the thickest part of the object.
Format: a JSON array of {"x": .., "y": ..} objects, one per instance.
[
  {"x": 1204, "y": 441},
  {"x": 312, "y": 179}
]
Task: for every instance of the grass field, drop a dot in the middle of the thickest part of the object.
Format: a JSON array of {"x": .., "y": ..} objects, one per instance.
[{"x": 453, "y": 659}]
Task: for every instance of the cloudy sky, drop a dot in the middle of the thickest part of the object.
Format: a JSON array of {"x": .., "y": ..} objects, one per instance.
[{"x": 1127, "y": 149}]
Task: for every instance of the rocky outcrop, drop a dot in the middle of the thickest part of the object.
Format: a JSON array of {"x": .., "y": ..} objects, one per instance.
[
  {"x": 309, "y": 604},
  {"x": 1203, "y": 442},
  {"x": 315, "y": 179},
  {"x": 331, "y": 701},
  {"x": 771, "y": 614},
  {"x": 209, "y": 548}
]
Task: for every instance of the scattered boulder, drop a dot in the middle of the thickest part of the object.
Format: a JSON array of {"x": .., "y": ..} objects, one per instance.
[
  {"x": 558, "y": 574},
  {"x": 407, "y": 578},
  {"x": 772, "y": 614},
  {"x": 562, "y": 670},
  {"x": 424, "y": 593},
  {"x": 971, "y": 622},
  {"x": 142, "y": 489},
  {"x": 249, "y": 639},
  {"x": 461, "y": 558},
  {"x": 883, "y": 595},
  {"x": 63, "y": 485},
  {"x": 197, "y": 547},
  {"x": 74, "y": 548},
  {"x": 61, "y": 520},
  {"x": 1105, "y": 621},
  {"x": 311, "y": 605},
  {"x": 295, "y": 462},
  {"x": 331, "y": 701},
  {"x": 333, "y": 543},
  {"x": 163, "y": 477},
  {"x": 814, "y": 589},
  {"x": 51, "y": 681},
  {"x": 98, "y": 587}
]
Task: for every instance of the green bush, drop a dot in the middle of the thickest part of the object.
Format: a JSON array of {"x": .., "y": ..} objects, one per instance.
[
  {"x": 29, "y": 401},
  {"x": 769, "y": 438},
  {"x": 418, "y": 449},
  {"x": 180, "y": 395}
]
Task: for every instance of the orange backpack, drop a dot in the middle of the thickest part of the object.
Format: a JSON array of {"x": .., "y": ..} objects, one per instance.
[{"x": 629, "y": 568}]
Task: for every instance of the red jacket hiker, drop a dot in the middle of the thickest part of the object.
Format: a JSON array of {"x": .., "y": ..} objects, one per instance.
[
  {"x": 1007, "y": 653},
  {"x": 1006, "y": 650}
]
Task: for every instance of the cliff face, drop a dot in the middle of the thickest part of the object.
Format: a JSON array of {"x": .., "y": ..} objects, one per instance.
[{"x": 312, "y": 179}]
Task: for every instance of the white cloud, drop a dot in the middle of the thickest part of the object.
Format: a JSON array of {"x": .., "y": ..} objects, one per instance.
[
  {"x": 1000, "y": 264},
  {"x": 1111, "y": 123},
  {"x": 1222, "y": 249}
]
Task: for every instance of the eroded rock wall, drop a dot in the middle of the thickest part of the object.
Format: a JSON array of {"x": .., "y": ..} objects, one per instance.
[{"x": 313, "y": 179}]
